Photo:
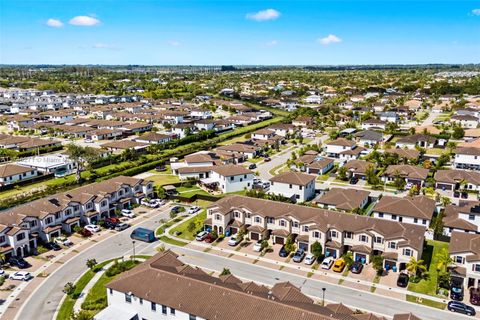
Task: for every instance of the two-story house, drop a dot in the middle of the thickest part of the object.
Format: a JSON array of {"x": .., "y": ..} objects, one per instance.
[
  {"x": 417, "y": 210},
  {"x": 294, "y": 185}
]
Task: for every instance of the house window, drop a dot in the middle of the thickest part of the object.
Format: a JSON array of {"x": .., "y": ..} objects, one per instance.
[
  {"x": 380, "y": 215},
  {"x": 20, "y": 236},
  {"x": 128, "y": 298},
  {"x": 217, "y": 217},
  {"x": 231, "y": 178},
  {"x": 333, "y": 233},
  {"x": 236, "y": 214},
  {"x": 172, "y": 311},
  {"x": 296, "y": 224},
  {"x": 282, "y": 223},
  {"x": 270, "y": 220},
  {"x": 424, "y": 221},
  {"x": 394, "y": 217},
  {"x": 164, "y": 309},
  {"x": 247, "y": 215},
  {"x": 110, "y": 290},
  {"x": 459, "y": 259},
  {"x": 192, "y": 317},
  {"x": 153, "y": 306},
  {"x": 378, "y": 239},
  {"x": 305, "y": 228},
  {"x": 471, "y": 217},
  {"x": 258, "y": 220},
  {"x": 407, "y": 252},
  {"x": 141, "y": 300},
  {"x": 348, "y": 234},
  {"x": 392, "y": 245},
  {"x": 316, "y": 234},
  {"x": 290, "y": 186},
  {"x": 300, "y": 187},
  {"x": 104, "y": 203},
  {"x": 363, "y": 238},
  {"x": 415, "y": 220},
  {"x": 58, "y": 215}
]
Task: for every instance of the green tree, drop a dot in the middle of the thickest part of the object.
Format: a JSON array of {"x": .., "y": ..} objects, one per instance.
[
  {"x": 290, "y": 245},
  {"x": 443, "y": 260},
  {"x": 68, "y": 288},
  {"x": 377, "y": 263},
  {"x": 342, "y": 173},
  {"x": 91, "y": 263},
  {"x": 415, "y": 266},
  {"x": 317, "y": 250},
  {"x": 348, "y": 258},
  {"x": 191, "y": 226},
  {"x": 82, "y": 156},
  {"x": 225, "y": 272},
  {"x": 458, "y": 133}
]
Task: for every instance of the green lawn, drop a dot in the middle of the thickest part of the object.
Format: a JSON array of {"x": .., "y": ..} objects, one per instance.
[
  {"x": 163, "y": 179},
  {"x": 182, "y": 229},
  {"x": 68, "y": 303},
  {"x": 168, "y": 224},
  {"x": 426, "y": 302},
  {"x": 430, "y": 252},
  {"x": 172, "y": 241},
  {"x": 436, "y": 151},
  {"x": 190, "y": 192}
]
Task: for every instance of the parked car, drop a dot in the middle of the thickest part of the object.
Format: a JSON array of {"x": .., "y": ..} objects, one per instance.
[
  {"x": 52, "y": 246},
  {"x": 283, "y": 252},
  {"x": 128, "y": 213},
  {"x": 257, "y": 247},
  {"x": 63, "y": 241},
  {"x": 18, "y": 262},
  {"x": 460, "y": 307},
  {"x": 309, "y": 259},
  {"x": 475, "y": 296},
  {"x": 298, "y": 255},
  {"x": 267, "y": 159},
  {"x": 233, "y": 241},
  {"x": 193, "y": 209},
  {"x": 402, "y": 280},
  {"x": 109, "y": 225},
  {"x": 456, "y": 291},
  {"x": 2, "y": 273},
  {"x": 339, "y": 265},
  {"x": 354, "y": 180},
  {"x": 252, "y": 166},
  {"x": 149, "y": 203},
  {"x": 85, "y": 233},
  {"x": 122, "y": 226},
  {"x": 175, "y": 209},
  {"x": 266, "y": 185},
  {"x": 356, "y": 267},
  {"x": 257, "y": 181},
  {"x": 209, "y": 238},
  {"x": 327, "y": 263},
  {"x": 201, "y": 235},
  {"x": 92, "y": 228},
  {"x": 21, "y": 275},
  {"x": 88, "y": 141},
  {"x": 113, "y": 220}
]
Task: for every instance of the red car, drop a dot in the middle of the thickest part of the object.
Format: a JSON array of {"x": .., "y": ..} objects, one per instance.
[
  {"x": 85, "y": 233},
  {"x": 209, "y": 238},
  {"x": 113, "y": 220}
]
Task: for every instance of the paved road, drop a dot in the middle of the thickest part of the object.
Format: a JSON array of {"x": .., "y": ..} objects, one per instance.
[{"x": 44, "y": 301}]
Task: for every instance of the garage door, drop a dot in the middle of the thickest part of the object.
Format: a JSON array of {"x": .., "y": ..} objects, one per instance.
[
  {"x": 360, "y": 257},
  {"x": 444, "y": 186},
  {"x": 331, "y": 253},
  {"x": 279, "y": 240},
  {"x": 303, "y": 246},
  {"x": 254, "y": 236},
  {"x": 389, "y": 264}
]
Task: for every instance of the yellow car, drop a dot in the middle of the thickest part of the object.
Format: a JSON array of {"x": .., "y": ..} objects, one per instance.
[{"x": 339, "y": 265}]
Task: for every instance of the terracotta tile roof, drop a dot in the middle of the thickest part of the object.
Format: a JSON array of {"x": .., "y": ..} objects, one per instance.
[
  {"x": 296, "y": 178},
  {"x": 321, "y": 219},
  {"x": 358, "y": 166},
  {"x": 227, "y": 298},
  {"x": 229, "y": 170},
  {"x": 342, "y": 142},
  {"x": 405, "y": 153},
  {"x": 417, "y": 207},
  {"x": 343, "y": 199},
  {"x": 13, "y": 169},
  {"x": 456, "y": 176},
  {"x": 407, "y": 171}
]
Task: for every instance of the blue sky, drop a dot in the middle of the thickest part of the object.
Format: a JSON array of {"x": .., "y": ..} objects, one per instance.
[{"x": 239, "y": 32}]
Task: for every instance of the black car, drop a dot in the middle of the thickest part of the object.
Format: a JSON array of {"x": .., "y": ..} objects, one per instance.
[
  {"x": 283, "y": 252},
  {"x": 18, "y": 262},
  {"x": 175, "y": 209},
  {"x": 402, "y": 280},
  {"x": 356, "y": 267},
  {"x": 252, "y": 166},
  {"x": 353, "y": 180},
  {"x": 52, "y": 246},
  {"x": 460, "y": 307},
  {"x": 109, "y": 225},
  {"x": 456, "y": 290}
]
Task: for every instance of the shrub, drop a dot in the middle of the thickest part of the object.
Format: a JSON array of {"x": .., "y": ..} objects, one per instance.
[
  {"x": 119, "y": 267},
  {"x": 41, "y": 249},
  {"x": 69, "y": 288}
]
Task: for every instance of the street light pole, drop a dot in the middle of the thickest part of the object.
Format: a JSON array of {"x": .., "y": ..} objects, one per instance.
[
  {"x": 323, "y": 296},
  {"x": 133, "y": 244}
]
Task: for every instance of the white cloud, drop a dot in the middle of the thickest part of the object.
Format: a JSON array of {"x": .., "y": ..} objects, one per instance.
[
  {"x": 84, "y": 21},
  {"x": 100, "y": 45},
  {"x": 264, "y": 15},
  {"x": 271, "y": 43},
  {"x": 476, "y": 12},
  {"x": 174, "y": 43},
  {"x": 54, "y": 23},
  {"x": 331, "y": 38}
]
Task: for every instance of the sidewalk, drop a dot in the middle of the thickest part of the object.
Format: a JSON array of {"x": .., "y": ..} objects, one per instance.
[{"x": 337, "y": 277}]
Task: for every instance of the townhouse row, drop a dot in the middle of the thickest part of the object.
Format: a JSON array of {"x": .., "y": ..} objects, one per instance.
[
  {"x": 22, "y": 227},
  {"x": 337, "y": 232}
]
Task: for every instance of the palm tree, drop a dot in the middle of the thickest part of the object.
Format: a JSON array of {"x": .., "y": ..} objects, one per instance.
[
  {"x": 443, "y": 260},
  {"x": 415, "y": 266}
]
